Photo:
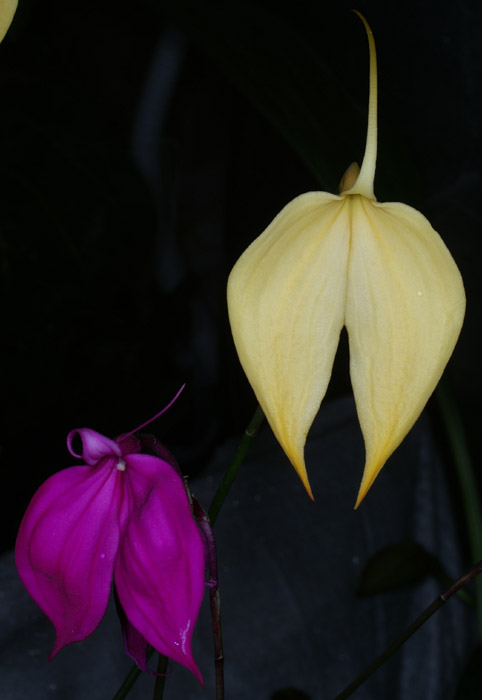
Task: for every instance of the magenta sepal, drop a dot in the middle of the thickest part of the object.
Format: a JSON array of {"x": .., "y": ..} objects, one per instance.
[{"x": 125, "y": 517}]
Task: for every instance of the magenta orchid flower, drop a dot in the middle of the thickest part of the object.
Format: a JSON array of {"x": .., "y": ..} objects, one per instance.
[{"x": 122, "y": 516}]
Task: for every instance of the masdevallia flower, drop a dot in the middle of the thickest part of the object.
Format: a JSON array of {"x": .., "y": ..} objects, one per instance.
[
  {"x": 122, "y": 516},
  {"x": 328, "y": 261}
]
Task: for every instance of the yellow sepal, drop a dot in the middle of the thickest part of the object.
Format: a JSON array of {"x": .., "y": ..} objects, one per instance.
[
  {"x": 405, "y": 306},
  {"x": 286, "y": 302}
]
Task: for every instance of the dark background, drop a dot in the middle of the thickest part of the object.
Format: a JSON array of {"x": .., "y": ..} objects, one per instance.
[{"x": 123, "y": 206}]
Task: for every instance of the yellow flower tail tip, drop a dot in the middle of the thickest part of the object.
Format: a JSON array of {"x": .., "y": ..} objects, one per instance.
[
  {"x": 7, "y": 11},
  {"x": 328, "y": 261}
]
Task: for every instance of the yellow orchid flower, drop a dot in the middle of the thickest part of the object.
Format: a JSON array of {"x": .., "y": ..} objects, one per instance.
[
  {"x": 7, "y": 11},
  {"x": 328, "y": 261}
]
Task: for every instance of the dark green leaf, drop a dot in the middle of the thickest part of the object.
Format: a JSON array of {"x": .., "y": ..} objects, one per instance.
[{"x": 398, "y": 566}]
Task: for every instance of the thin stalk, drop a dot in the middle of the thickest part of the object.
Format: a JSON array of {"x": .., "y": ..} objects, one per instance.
[
  {"x": 469, "y": 486},
  {"x": 128, "y": 683},
  {"x": 236, "y": 462},
  {"x": 215, "y": 605},
  {"x": 214, "y": 600},
  {"x": 130, "y": 679},
  {"x": 160, "y": 678},
  {"x": 411, "y": 629}
]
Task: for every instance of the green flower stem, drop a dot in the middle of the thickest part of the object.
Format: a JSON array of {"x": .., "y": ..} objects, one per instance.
[
  {"x": 236, "y": 462},
  {"x": 469, "y": 486},
  {"x": 416, "y": 624},
  {"x": 128, "y": 683},
  {"x": 161, "y": 678}
]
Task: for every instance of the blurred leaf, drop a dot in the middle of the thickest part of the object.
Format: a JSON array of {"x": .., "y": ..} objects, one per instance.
[
  {"x": 399, "y": 566},
  {"x": 470, "y": 686}
]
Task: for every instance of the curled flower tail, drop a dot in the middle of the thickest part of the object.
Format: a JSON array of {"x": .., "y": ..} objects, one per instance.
[{"x": 94, "y": 446}]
